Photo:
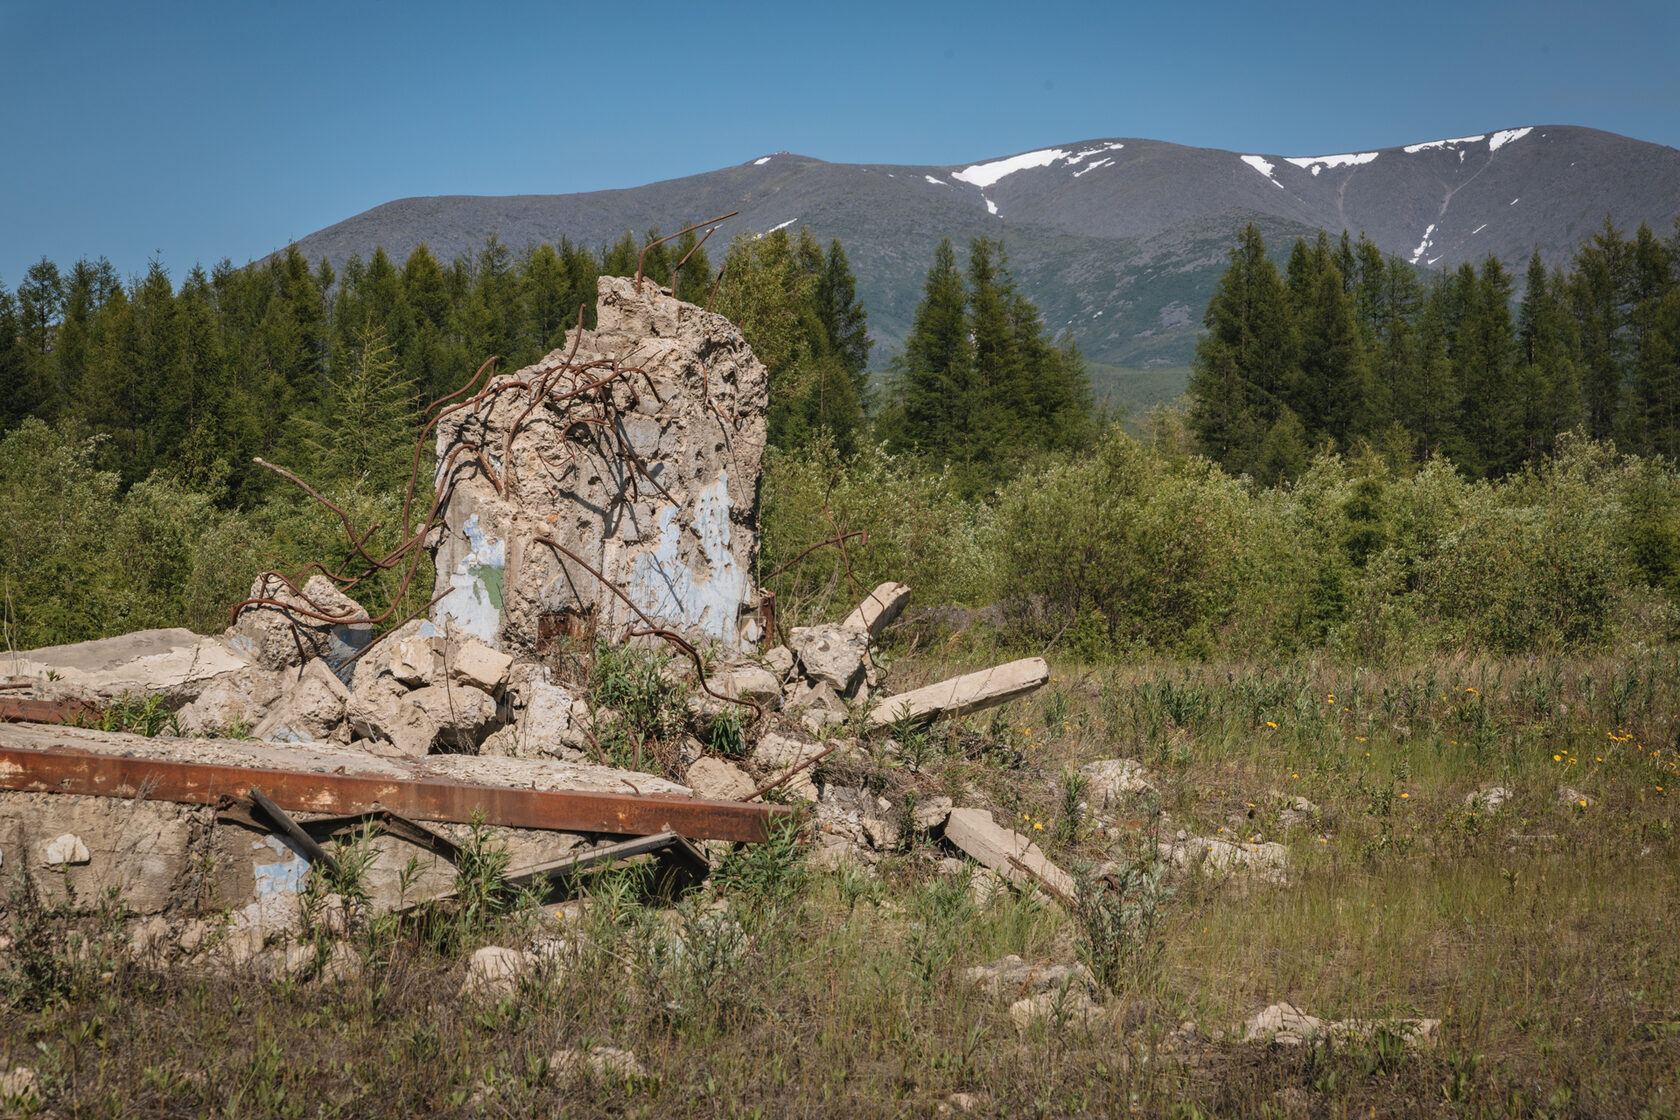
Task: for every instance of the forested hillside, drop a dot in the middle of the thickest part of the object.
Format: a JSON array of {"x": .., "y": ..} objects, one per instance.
[
  {"x": 1347, "y": 345},
  {"x": 1372, "y": 464}
]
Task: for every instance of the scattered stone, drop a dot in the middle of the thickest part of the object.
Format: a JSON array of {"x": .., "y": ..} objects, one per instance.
[
  {"x": 1574, "y": 798},
  {"x": 1013, "y": 978},
  {"x": 1487, "y": 799},
  {"x": 1296, "y": 812},
  {"x": 962, "y": 1102},
  {"x": 66, "y": 849},
  {"x": 1284, "y": 1024},
  {"x": 1010, "y": 854},
  {"x": 817, "y": 705},
  {"x": 310, "y": 711},
  {"x": 962, "y": 695},
  {"x": 930, "y": 815},
  {"x": 718, "y": 780},
  {"x": 416, "y": 659},
  {"x": 475, "y": 664},
  {"x": 493, "y": 972},
  {"x": 1263, "y": 861},
  {"x": 883, "y": 834},
  {"x": 1113, "y": 781},
  {"x": 879, "y": 609},
  {"x": 464, "y": 715},
  {"x": 601, "y": 1061},
  {"x": 779, "y": 660},
  {"x": 1061, "y": 1008},
  {"x": 20, "y": 1084},
  {"x": 831, "y": 655},
  {"x": 550, "y": 719}
]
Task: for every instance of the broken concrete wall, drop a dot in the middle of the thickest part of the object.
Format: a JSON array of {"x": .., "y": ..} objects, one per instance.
[{"x": 650, "y": 477}]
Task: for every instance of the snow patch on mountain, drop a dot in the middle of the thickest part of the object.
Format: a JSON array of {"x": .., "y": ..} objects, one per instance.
[
  {"x": 1414, "y": 149},
  {"x": 936, "y": 182},
  {"x": 1315, "y": 164},
  {"x": 1423, "y": 246},
  {"x": 1500, "y": 139},
  {"x": 991, "y": 207},
  {"x": 1264, "y": 167},
  {"x": 984, "y": 175},
  {"x": 1093, "y": 167},
  {"x": 1087, "y": 153},
  {"x": 761, "y": 161}
]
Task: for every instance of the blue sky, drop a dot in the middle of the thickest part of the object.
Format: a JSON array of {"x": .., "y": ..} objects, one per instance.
[{"x": 193, "y": 131}]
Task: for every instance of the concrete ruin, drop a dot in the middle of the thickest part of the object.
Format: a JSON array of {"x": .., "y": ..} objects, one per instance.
[
  {"x": 606, "y": 492},
  {"x": 637, "y": 448}
]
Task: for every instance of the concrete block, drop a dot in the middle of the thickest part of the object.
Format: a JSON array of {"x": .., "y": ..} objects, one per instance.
[
  {"x": 962, "y": 695},
  {"x": 879, "y": 609},
  {"x": 973, "y": 832}
]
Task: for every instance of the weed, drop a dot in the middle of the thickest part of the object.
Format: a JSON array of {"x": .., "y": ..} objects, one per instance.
[
  {"x": 1118, "y": 916},
  {"x": 137, "y": 715}
]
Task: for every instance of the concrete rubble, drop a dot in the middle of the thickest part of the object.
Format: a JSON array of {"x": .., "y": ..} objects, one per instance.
[{"x": 552, "y": 530}]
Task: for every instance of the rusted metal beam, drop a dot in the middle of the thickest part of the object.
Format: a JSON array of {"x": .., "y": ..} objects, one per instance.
[
  {"x": 17, "y": 709},
  {"x": 64, "y": 770}
]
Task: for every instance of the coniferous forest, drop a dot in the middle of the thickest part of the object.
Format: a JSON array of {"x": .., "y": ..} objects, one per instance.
[{"x": 1371, "y": 460}]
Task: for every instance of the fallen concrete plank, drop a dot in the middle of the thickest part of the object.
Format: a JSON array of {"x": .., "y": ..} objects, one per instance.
[
  {"x": 961, "y": 695},
  {"x": 1008, "y": 853},
  {"x": 58, "y": 768},
  {"x": 878, "y": 610}
]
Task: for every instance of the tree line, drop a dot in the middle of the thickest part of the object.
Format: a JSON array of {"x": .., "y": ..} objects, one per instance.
[
  {"x": 328, "y": 371},
  {"x": 1345, "y": 344}
]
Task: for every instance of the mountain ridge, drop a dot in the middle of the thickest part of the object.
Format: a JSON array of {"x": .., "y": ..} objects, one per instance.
[{"x": 1119, "y": 240}]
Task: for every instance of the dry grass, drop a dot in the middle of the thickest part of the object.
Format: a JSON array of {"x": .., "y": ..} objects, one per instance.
[{"x": 1542, "y": 934}]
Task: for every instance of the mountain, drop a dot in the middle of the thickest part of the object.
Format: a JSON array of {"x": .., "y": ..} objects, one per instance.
[{"x": 1119, "y": 241}]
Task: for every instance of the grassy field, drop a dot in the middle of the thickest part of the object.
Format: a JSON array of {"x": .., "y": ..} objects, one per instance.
[{"x": 1542, "y": 932}]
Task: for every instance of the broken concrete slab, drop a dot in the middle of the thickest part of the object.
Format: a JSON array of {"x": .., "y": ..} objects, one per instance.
[
  {"x": 658, "y": 493},
  {"x": 232, "y": 704},
  {"x": 779, "y": 660},
  {"x": 776, "y": 754},
  {"x": 831, "y": 655},
  {"x": 311, "y": 709},
  {"x": 175, "y": 664},
  {"x": 476, "y": 664},
  {"x": 879, "y": 609},
  {"x": 975, "y": 834},
  {"x": 961, "y": 695},
  {"x": 381, "y": 713},
  {"x": 464, "y": 715}
]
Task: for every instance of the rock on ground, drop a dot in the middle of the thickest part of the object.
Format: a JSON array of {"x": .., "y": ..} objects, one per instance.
[
  {"x": 717, "y": 780},
  {"x": 1284, "y": 1024}
]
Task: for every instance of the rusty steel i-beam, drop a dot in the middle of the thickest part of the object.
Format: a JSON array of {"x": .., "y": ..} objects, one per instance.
[{"x": 434, "y": 799}]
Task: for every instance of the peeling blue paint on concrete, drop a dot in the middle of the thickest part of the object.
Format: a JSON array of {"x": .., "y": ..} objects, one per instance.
[
  {"x": 286, "y": 875},
  {"x": 475, "y": 598},
  {"x": 663, "y": 586}
]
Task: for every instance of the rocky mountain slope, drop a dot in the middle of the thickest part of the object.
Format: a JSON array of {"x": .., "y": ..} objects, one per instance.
[{"x": 1119, "y": 241}]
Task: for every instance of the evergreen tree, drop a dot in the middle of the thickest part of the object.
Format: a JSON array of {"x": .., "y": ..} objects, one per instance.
[
  {"x": 1246, "y": 363},
  {"x": 936, "y": 372},
  {"x": 14, "y": 367},
  {"x": 367, "y": 433},
  {"x": 40, "y": 299},
  {"x": 1482, "y": 357},
  {"x": 1597, "y": 288},
  {"x": 1548, "y": 395}
]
